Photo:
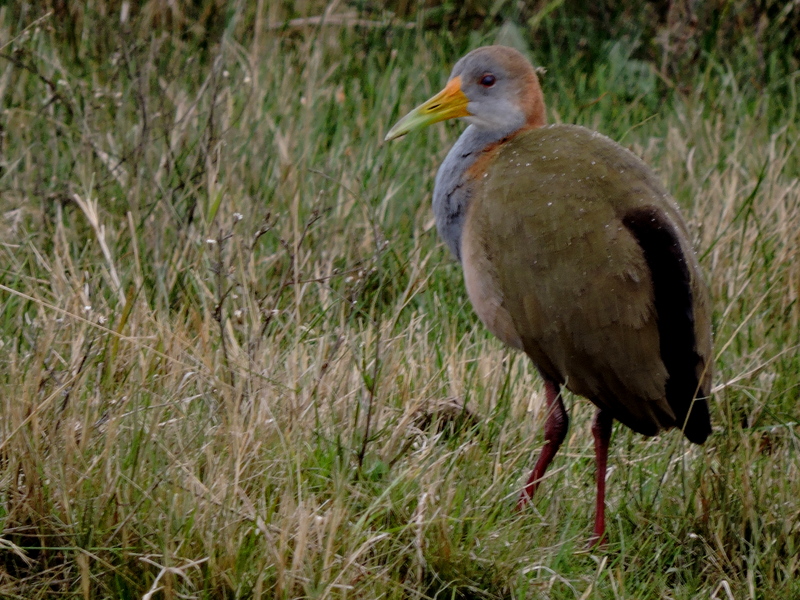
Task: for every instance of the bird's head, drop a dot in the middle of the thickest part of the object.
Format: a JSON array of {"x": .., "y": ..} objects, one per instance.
[{"x": 493, "y": 88}]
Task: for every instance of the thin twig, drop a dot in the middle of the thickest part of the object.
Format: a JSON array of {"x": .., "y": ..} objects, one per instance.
[{"x": 340, "y": 20}]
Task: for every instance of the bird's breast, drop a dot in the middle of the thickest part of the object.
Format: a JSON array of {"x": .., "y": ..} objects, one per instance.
[{"x": 456, "y": 181}]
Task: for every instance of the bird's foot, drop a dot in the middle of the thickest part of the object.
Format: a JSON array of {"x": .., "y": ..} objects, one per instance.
[
  {"x": 597, "y": 542},
  {"x": 524, "y": 498}
]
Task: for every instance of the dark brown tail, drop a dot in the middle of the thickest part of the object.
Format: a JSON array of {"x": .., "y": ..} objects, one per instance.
[{"x": 674, "y": 306}]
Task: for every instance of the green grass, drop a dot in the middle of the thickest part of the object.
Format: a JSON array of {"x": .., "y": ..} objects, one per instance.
[{"x": 229, "y": 333}]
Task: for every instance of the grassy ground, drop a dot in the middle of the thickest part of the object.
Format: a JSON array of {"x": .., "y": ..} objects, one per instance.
[{"x": 234, "y": 351}]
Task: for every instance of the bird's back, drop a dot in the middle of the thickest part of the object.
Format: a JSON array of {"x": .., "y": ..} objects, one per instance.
[{"x": 574, "y": 252}]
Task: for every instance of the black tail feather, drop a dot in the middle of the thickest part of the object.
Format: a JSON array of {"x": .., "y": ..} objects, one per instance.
[{"x": 674, "y": 307}]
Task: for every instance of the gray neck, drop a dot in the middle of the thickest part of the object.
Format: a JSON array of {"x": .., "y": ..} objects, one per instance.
[{"x": 452, "y": 192}]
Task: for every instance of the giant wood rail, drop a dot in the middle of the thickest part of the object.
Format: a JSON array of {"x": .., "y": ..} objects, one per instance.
[{"x": 573, "y": 252}]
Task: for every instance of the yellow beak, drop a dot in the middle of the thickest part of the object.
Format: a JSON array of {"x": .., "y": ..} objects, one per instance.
[{"x": 450, "y": 103}]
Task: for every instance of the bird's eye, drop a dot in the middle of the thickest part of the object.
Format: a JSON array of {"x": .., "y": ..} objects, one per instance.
[{"x": 488, "y": 80}]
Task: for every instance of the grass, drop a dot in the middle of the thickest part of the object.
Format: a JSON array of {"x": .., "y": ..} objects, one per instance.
[{"x": 232, "y": 343}]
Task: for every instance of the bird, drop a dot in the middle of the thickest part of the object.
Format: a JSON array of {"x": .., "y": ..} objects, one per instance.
[{"x": 572, "y": 251}]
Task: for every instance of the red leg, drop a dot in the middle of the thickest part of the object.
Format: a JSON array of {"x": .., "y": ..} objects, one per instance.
[
  {"x": 601, "y": 429},
  {"x": 555, "y": 430}
]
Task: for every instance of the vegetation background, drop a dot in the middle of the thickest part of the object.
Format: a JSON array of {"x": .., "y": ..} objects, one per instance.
[{"x": 236, "y": 362}]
